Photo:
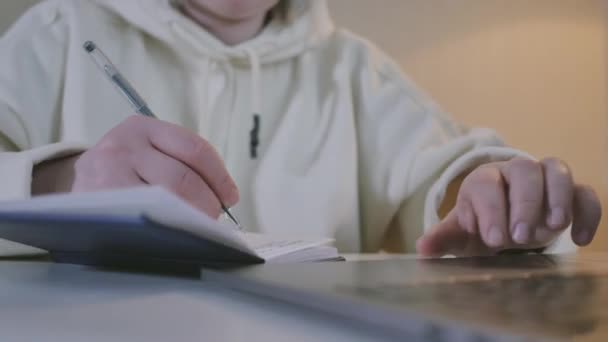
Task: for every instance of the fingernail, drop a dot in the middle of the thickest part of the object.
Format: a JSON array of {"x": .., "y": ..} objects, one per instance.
[
  {"x": 495, "y": 238},
  {"x": 521, "y": 233},
  {"x": 419, "y": 244},
  {"x": 584, "y": 238},
  {"x": 557, "y": 218},
  {"x": 233, "y": 198},
  {"x": 543, "y": 235}
]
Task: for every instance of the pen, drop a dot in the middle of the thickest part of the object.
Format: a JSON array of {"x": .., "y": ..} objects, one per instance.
[{"x": 137, "y": 102}]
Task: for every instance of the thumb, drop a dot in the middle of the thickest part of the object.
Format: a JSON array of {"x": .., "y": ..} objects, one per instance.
[{"x": 448, "y": 237}]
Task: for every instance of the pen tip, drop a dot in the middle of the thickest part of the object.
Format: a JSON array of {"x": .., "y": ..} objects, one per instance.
[{"x": 89, "y": 46}]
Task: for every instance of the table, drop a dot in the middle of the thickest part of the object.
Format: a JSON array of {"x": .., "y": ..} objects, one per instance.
[{"x": 42, "y": 301}]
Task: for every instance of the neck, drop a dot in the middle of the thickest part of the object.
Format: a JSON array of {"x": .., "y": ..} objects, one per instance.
[{"x": 229, "y": 31}]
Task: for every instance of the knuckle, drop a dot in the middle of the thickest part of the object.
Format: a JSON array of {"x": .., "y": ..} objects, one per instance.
[
  {"x": 485, "y": 191},
  {"x": 524, "y": 165},
  {"x": 487, "y": 173},
  {"x": 108, "y": 155},
  {"x": 559, "y": 175},
  {"x": 109, "y": 148},
  {"x": 526, "y": 177},
  {"x": 521, "y": 159},
  {"x": 197, "y": 148},
  {"x": 484, "y": 177},
  {"x": 551, "y": 161},
  {"x": 556, "y": 163},
  {"x": 134, "y": 124}
]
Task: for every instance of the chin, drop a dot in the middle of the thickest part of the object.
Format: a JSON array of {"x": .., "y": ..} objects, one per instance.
[{"x": 235, "y": 9}]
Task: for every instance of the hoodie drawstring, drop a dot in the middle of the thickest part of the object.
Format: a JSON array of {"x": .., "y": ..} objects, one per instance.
[
  {"x": 256, "y": 98},
  {"x": 256, "y": 102}
]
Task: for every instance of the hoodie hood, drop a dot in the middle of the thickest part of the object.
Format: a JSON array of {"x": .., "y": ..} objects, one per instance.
[{"x": 306, "y": 24}]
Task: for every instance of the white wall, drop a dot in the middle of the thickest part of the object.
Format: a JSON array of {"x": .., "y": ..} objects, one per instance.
[{"x": 533, "y": 69}]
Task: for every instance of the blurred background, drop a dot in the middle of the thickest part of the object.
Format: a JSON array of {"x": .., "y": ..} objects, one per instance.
[{"x": 534, "y": 70}]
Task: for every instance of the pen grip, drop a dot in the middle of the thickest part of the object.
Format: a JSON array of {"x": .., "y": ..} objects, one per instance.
[
  {"x": 136, "y": 101},
  {"x": 146, "y": 111}
]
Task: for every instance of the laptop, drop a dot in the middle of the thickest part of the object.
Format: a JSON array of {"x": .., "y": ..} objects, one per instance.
[{"x": 504, "y": 298}]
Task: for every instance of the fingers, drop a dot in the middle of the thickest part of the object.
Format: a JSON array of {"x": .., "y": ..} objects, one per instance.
[
  {"x": 587, "y": 213},
  {"x": 448, "y": 237},
  {"x": 156, "y": 167},
  {"x": 485, "y": 192},
  {"x": 526, "y": 194},
  {"x": 466, "y": 215},
  {"x": 190, "y": 149},
  {"x": 559, "y": 189},
  {"x": 142, "y": 150},
  {"x": 516, "y": 204}
]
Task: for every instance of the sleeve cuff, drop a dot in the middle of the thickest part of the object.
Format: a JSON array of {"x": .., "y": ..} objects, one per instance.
[
  {"x": 16, "y": 167},
  {"x": 16, "y": 182}
]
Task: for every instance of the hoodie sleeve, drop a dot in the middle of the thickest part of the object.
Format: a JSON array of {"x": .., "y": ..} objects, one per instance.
[
  {"x": 32, "y": 60},
  {"x": 409, "y": 152}
]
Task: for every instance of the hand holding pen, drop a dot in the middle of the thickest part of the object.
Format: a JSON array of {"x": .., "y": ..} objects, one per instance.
[{"x": 144, "y": 150}]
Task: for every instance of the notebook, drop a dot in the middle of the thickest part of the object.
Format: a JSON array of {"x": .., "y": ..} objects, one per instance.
[{"x": 141, "y": 226}]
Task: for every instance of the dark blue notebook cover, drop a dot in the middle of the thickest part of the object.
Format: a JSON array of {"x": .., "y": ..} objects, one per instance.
[{"x": 116, "y": 241}]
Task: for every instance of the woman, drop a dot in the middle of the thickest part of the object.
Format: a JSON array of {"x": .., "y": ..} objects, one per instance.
[{"x": 316, "y": 128}]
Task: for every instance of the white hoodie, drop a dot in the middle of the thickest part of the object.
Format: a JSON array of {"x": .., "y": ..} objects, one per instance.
[{"x": 347, "y": 143}]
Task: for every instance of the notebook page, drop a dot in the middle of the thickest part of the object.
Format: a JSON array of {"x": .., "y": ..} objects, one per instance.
[
  {"x": 176, "y": 214},
  {"x": 11, "y": 249},
  {"x": 268, "y": 249},
  {"x": 317, "y": 253},
  {"x": 155, "y": 203}
]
